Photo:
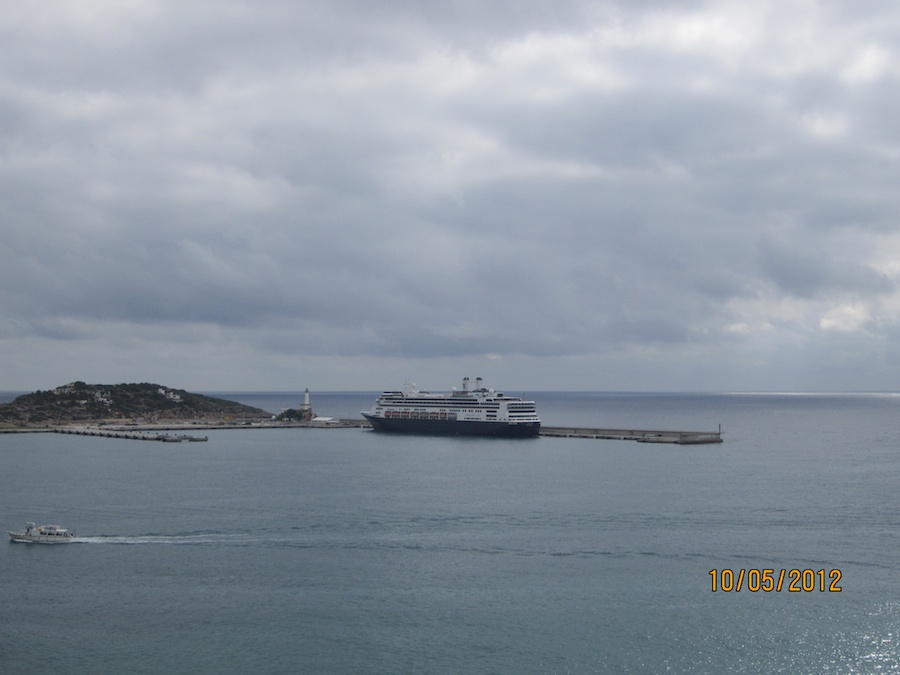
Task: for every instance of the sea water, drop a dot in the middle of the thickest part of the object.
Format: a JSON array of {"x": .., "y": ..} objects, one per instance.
[{"x": 348, "y": 551}]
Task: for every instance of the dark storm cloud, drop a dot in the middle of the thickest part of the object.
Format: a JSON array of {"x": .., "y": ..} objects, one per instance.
[
  {"x": 807, "y": 272},
  {"x": 595, "y": 183}
]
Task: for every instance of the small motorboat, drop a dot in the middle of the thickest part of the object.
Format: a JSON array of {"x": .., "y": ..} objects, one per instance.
[{"x": 42, "y": 534}]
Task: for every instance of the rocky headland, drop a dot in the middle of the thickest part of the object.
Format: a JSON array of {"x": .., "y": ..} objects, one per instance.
[{"x": 80, "y": 403}]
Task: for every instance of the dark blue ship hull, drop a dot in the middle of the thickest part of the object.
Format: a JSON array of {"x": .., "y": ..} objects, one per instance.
[{"x": 454, "y": 427}]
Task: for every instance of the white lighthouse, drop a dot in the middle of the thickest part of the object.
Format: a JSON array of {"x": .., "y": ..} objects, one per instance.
[{"x": 305, "y": 407}]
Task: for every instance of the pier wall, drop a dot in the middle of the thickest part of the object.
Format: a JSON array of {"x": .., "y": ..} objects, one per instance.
[
  {"x": 639, "y": 435},
  {"x": 153, "y": 432}
]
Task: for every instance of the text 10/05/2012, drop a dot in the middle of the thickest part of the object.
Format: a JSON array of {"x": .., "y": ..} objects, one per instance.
[{"x": 768, "y": 580}]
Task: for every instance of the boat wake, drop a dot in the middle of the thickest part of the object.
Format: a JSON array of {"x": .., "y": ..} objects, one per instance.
[{"x": 169, "y": 539}]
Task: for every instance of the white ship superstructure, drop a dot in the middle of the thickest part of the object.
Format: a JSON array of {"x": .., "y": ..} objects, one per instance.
[
  {"x": 42, "y": 534},
  {"x": 470, "y": 412}
]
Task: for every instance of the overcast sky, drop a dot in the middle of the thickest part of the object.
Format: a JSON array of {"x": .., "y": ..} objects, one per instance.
[{"x": 608, "y": 195}]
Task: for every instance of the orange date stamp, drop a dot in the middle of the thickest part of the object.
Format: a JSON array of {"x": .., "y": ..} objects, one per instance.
[{"x": 769, "y": 580}]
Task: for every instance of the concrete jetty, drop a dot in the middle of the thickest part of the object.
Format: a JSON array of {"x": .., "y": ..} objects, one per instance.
[
  {"x": 153, "y": 432},
  {"x": 639, "y": 435},
  {"x": 133, "y": 435}
]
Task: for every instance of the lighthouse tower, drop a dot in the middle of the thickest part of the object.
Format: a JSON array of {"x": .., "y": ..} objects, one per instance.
[{"x": 305, "y": 408}]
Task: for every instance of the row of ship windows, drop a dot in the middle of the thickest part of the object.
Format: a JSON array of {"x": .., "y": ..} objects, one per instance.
[
  {"x": 523, "y": 409},
  {"x": 448, "y": 404},
  {"x": 398, "y": 396},
  {"x": 444, "y": 408},
  {"x": 415, "y": 415}
]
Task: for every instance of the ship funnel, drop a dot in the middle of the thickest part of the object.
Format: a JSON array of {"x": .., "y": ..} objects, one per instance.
[
  {"x": 465, "y": 384},
  {"x": 478, "y": 384}
]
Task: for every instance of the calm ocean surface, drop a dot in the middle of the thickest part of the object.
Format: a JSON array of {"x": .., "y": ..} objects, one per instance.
[{"x": 346, "y": 551}]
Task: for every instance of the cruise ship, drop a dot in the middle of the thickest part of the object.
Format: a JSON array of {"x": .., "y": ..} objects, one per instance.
[{"x": 464, "y": 412}]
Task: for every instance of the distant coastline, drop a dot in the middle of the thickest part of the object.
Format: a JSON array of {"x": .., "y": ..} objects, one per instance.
[{"x": 128, "y": 403}]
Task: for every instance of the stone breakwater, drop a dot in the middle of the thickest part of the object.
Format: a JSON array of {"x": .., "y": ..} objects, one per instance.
[
  {"x": 141, "y": 430},
  {"x": 133, "y": 435},
  {"x": 155, "y": 431},
  {"x": 641, "y": 436}
]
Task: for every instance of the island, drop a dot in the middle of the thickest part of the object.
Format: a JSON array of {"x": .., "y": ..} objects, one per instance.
[{"x": 143, "y": 403}]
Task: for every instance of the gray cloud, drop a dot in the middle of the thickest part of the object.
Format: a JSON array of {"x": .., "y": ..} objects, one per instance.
[{"x": 575, "y": 195}]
